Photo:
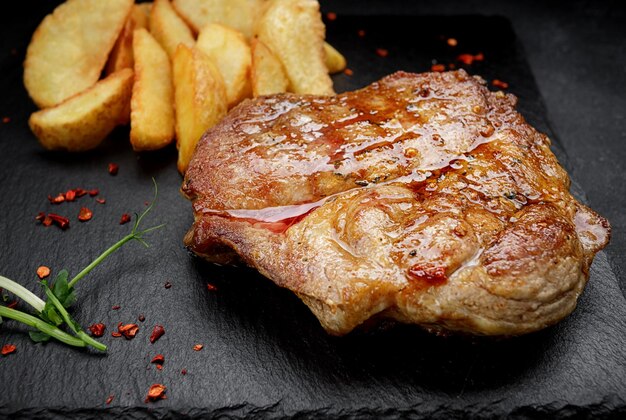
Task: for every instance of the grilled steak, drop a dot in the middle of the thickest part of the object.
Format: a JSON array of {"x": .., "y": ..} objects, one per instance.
[{"x": 423, "y": 198}]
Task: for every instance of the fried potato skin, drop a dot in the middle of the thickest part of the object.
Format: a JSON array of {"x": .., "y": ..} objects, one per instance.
[
  {"x": 168, "y": 28},
  {"x": 70, "y": 48},
  {"x": 230, "y": 52},
  {"x": 152, "y": 102},
  {"x": 335, "y": 61},
  {"x": 267, "y": 73},
  {"x": 200, "y": 96},
  {"x": 81, "y": 122},
  {"x": 294, "y": 31}
]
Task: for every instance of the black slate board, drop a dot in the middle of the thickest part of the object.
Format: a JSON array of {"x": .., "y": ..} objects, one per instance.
[{"x": 264, "y": 353}]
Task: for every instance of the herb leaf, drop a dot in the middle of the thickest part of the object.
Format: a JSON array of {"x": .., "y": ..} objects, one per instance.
[{"x": 38, "y": 336}]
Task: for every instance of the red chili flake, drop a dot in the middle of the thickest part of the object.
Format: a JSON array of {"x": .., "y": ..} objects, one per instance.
[
  {"x": 40, "y": 216},
  {"x": 468, "y": 59},
  {"x": 438, "y": 67},
  {"x": 452, "y": 42},
  {"x": 183, "y": 372},
  {"x": 361, "y": 33},
  {"x": 331, "y": 16},
  {"x": 109, "y": 400},
  {"x": 158, "y": 359},
  {"x": 101, "y": 200},
  {"x": 451, "y": 66},
  {"x": 381, "y": 52},
  {"x": 159, "y": 367},
  {"x": 115, "y": 307},
  {"x": 116, "y": 334},
  {"x": 198, "y": 347},
  {"x": 211, "y": 287},
  {"x": 141, "y": 318},
  {"x": 43, "y": 272},
  {"x": 125, "y": 219},
  {"x": 97, "y": 330},
  {"x": 129, "y": 330},
  {"x": 84, "y": 214},
  {"x": 428, "y": 273},
  {"x": 167, "y": 285},
  {"x": 8, "y": 349},
  {"x": 348, "y": 72},
  {"x": 6, "y": 120},
  {"x": 12, "y": 305},
  {"x": 47, "y": 221},
  {"x": 62, "y": 222},
  {"x": 113, "y": 168},
  {"x": 93, "y": 193},
  {"x": 70, "y": 195},
  {"x": 56, "y": 200},
  {"x": 156, "y": 392},
  {"x": 157, "y": 332},
  {"x": 500, "y": 84},
  {"x": 79, "y": 192}
]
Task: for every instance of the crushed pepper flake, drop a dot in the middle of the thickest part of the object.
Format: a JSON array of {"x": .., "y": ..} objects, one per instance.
[
  {"x": 85, "y": 214},
  {"x": 156, "y": 392},
  {"x": 159, "y": 359},
  {"x": 129, "y": 331},
  {"x": 361, "y": 33},
  {"x": 157, "y": 332},
  {"x": 141, "y": 318},
  {"x": 100, "y": 200},
  {"x": 452, "y": 42},
  {"x": 8, "y": 349},
  {"x": 348, "y": 72},
  {"x": 167, "y": 285},
  {"x": 43, "y": 272},
  {"x": 183, "y": 372},
  {"x": 211, "y": 287},
  {"x": 382, "y": 52},
  {"x": 500, "y": 84},
  {"x": 125, "y": 219},
  {"x": 116, "y": 334},
  {"x": 6, "y": 120},
  {"x": 56, "y": 200},
  {"x": 61, "y": 221},
  {"x": 115, "y": 307},
  {"x": 109, "y": 399},
  {"x": 93, "y": 193},
  {"x": 113, "y": 168},
  {"x": 438, "y": 67},
  {"x": 70, "y": 195},
  {"x": 97, "y": 330},
  {"x": 198, "y": 347},
  {"x": 331, "y": 16}
]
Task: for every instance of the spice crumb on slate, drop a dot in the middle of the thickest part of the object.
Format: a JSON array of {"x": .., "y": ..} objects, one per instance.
[
  {"x": 348, "y": 72},
  {"x": 97, "y": 330},
  {"x": 61, "y": 221},
  {"x": 500, "y": 84},
  {"x": 109, "y": 400},
  {"x": 116, "y": 334},
  {"x": 125, "y": 219},
  {"x": 438, "y": 67},
  {"x": 211, "y": 287},
  {"x": 113, "y": 168},
  {"x": 183, "y": 372},
  {"x": 167, "y": 285},
  {"x": 101, "y": 200},
  {"x": 128, "y": 330},
  {"x": 381, "y": 52},
  {"x": 452, "y": 42},
  {"x": 6, "y": 120},
  {"x": 331, "y": 16},
  {"x": 84, "y": 215},
  {"x": 141, "y": 318},
  {"x": 469, "y": 59},
  {"x": 156, "y": 392},
  {"x": 43, "y": 272},
  {"x": 8, "y": 349},
  {"x": 157, "y": 332},
  {"x": 198, "y": 347},
  {"x": 361, "y": 33},
  {"x": 115, "y": 307},
  {"x": 158, "y": 359}
]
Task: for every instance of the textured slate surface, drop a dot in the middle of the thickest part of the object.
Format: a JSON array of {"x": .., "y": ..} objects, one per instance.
[{"x": 264, "y": 353}]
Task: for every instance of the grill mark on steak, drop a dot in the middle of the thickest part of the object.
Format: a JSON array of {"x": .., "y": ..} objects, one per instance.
[{"x": 423, "y": 198}]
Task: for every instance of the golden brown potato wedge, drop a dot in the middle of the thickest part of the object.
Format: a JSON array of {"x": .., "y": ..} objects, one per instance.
[
  {"x": 335, "y": 61},
  {"x": 141, "y": 15},
  {"x": 294, "y": 31},
  {"x": 81, "y": 122},
  {"x": 70, "y": 47},
  {"x": 200, "y": 96},
  {"x": 230, "y": 52},
  {"x": 168, "y": 28},
  {"x": 238, "y": 14},
  {"x": 152, "y": 103},
  {"x": 121, "y": 56},
  {"x": 267, "y": 72}
]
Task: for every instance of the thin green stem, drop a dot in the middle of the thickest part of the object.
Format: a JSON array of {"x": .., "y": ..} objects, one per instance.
[
  {"x": 71, "y": 323},
  {"x": 23, "y": 293},
  {"x": 98, "y": 260},
  {"x": 42, "y": 326}
]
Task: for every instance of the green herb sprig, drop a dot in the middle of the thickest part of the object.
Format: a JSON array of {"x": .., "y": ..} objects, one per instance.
[{"x": 51, "y": 312}]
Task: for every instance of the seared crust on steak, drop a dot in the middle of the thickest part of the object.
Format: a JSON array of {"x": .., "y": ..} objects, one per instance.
[{"x": 424, "y": 198}]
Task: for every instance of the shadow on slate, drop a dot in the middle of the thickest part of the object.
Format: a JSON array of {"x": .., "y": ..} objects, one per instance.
[{"x": 264, "y": 352}]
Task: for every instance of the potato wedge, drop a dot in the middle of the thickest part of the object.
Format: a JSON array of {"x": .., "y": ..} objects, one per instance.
[
  {"x": 267, "y": 73},
  {"x": 141, "y": 15},
  {"x": 168, "y": 28},
  {"x": 121, "y": 56},
  {"x": 152, "y": 102},
  {"x": 81, "y": 122},
  {"x": 200, "y": 96},
  {"x": 238, "y": 14},
  {"x": 294, "y": 31},
  {"x": 70, "y": 47},
  {"x": 335, "y": 61},
  {"x": 231, "y": 54}
]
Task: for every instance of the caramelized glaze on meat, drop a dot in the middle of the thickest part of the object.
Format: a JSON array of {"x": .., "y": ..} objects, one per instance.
[{"x": 424, "y": 198}]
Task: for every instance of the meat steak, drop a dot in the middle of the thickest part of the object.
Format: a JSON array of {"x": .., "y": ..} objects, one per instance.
[{"x": 424, "y": 198}]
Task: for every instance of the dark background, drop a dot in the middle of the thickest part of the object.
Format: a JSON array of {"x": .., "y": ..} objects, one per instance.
[{"x": 264, "y": 353}]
